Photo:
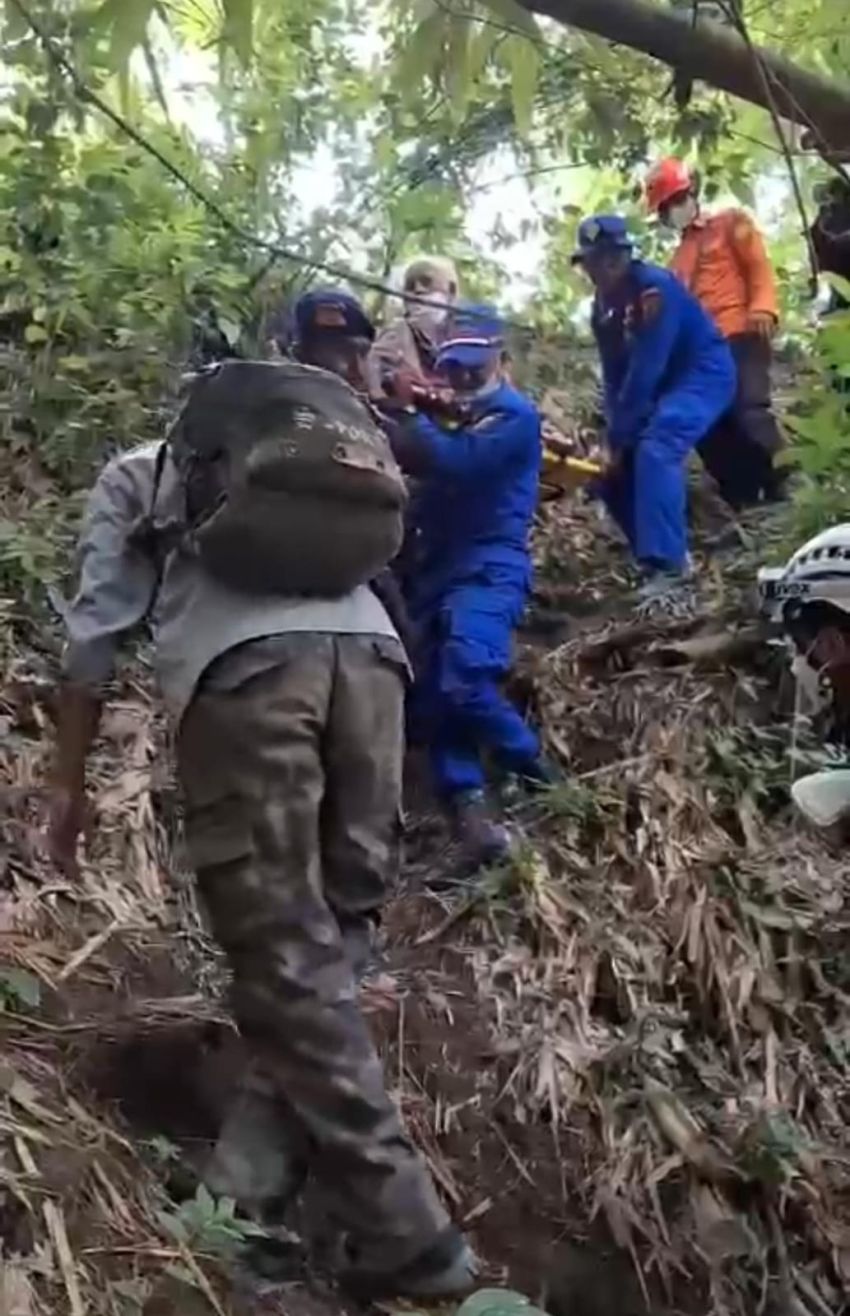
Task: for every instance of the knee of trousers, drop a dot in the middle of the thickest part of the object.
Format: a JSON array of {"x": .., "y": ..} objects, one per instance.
[{"x": 467, "y": 679}]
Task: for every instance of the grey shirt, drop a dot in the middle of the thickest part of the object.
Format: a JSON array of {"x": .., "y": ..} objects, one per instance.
[{"x": 194, "y": 619}]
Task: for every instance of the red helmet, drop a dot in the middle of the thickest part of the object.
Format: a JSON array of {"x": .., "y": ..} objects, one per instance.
[{"x": 665, "y": 180}]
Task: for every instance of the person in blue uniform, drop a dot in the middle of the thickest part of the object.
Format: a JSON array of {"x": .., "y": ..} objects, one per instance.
[
  {"x": 471, "y": 573},
  {"x": 668, "y": 377}
]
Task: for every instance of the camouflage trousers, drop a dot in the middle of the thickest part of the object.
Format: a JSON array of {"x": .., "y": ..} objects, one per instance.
[{"x": 292, "y": 782}]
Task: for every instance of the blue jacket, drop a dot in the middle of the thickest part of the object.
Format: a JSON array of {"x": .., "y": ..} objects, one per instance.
[
  {"x": 477, "y": 498},
  {"x": 653, "y": 338}
]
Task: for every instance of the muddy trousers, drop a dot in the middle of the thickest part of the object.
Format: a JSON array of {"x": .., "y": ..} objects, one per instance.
[{"x": 292, "y": 786}]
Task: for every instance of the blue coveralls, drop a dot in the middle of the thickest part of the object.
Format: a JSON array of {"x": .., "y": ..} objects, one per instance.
[
  {"x": 669, "y": 376},
  {"x": 469, "y": 586}
]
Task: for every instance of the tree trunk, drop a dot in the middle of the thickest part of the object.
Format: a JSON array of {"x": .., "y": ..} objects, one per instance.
[{"x": 720, "y": 57}]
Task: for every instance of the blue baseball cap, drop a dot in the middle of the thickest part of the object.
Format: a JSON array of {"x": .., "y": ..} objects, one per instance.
[
  {"x": 600, "y": 233},
  {"x": 330, "y": 311},
  {"x": 477, "y": 332}
]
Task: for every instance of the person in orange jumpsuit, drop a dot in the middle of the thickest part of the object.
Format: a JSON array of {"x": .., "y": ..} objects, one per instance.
[{"x": 721, "y": 259}]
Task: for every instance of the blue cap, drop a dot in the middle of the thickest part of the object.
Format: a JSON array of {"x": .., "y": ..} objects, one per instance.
[
  {"x": 477, "y": 332},
  {"x": 602, "y": 233},
  {"x": 331, "y": 311}
]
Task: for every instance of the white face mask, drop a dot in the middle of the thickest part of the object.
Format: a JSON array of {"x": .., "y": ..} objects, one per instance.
[
  {"x": 683, "y": 215},
  {"x": 430, "y": 319},
  {"x": 815, "y": 695},
  {"x": 484, "y": 390},
  {"x": 824, "y": 797}
]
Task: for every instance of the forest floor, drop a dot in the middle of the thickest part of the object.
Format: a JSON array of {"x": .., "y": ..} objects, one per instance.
[{"x": 626, "y": 1056}]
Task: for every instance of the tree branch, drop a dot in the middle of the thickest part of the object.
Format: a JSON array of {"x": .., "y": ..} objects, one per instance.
[{"x": 717, "y": 56}]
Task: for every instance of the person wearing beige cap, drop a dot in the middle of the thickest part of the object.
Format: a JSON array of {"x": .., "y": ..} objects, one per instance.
[{"x": 411, "y": 342}]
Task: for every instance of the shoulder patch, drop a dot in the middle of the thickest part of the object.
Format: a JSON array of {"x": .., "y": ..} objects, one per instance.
[{"x": 651, "y": 302}]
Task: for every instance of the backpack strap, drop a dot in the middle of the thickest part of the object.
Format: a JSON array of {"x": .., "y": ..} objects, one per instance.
[
  {"x": 155, "y": 543},
  {"x": 159, "y": 468}
]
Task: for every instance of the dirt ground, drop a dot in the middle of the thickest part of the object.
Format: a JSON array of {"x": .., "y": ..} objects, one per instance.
[{"x": 130, "y": 1053}]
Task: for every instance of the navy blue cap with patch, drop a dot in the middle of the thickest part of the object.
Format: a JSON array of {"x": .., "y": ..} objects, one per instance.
[
  {"x": 331, "y": 311},
  {"x": 602, "y": 233},
  {"x": 477, "y": 332}
]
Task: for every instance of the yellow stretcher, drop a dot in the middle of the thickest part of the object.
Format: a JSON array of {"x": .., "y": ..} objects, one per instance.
[{"x": 562, "y": 474}]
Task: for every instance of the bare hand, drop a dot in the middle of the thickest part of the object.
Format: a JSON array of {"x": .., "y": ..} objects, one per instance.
[
  {"x": 763, "y": 324},
  {"x": 66, "y": 823},
  {"x": 404, "y": 384}
]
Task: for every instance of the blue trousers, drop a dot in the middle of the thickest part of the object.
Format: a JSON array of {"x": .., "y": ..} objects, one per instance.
[
  {"x": 647, "y": 495},
  {"x": 458, "y": 707}
]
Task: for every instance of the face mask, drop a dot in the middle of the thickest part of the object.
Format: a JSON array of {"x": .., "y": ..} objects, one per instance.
[
  {"x": 823, "y": 798},
  {"x": 683, "y": 215},
  {"x": 812, "y": 689},
  {"x": 472, "y": 387},
  {"x": 429, "y": 319},
  {"x": 484, "y": 390}
]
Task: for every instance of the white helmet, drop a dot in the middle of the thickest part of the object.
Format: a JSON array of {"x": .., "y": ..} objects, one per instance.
[{"x": 817, "y": 572}]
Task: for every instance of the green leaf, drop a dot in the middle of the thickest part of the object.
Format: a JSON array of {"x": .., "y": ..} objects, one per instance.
[
  {"x": 238, "y": 29},
  {"x": 480, "y": 49},
  {"x": 35, "y": 333},
  {"x": 130, "y": 20},
  {"x": 173, "y": 1225},
  {"x": 205, "y": 1200},
  {"x": 498, "y": 1302},
  {"x": 422, "y": 53},
  {"x": 231, "y": 329},
  {"x": 22, "y": 986},
  {"x": 515, "y": 16},
  {"x": 456, "y": 69},
  {"x": 523, "y": 61},
  {"x": 16, "y": 25}
]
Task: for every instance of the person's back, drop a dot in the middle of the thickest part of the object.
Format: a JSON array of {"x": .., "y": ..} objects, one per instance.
[
  {"x": 289, "y": 714},
  {"x": 194, "y": 617},
  {"x": 722, "y": 260}
]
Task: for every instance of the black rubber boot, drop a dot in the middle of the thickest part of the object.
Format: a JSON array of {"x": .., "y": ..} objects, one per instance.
[
  {"x": 484, "y": 840},
  {"x": 446, "y": 1269}
]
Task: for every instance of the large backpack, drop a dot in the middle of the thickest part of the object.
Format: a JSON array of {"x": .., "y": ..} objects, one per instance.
[{"x": 290, "y": 485}]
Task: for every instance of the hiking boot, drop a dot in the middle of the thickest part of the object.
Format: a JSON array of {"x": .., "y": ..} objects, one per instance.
[
  {"x": 539, "y": 774},
  {"x": 259, "y": 1159},
  {"x": 665, "y": 594},
  {"x": 484, "y": 840},
  {"x": 448, "y": 1268},
  {"x": 535, "y": 778}
]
